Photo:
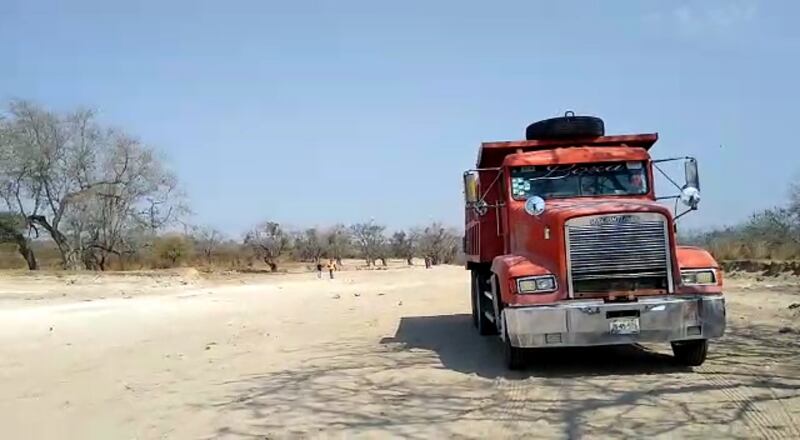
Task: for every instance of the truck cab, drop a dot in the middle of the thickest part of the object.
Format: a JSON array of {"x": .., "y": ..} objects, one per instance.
[{"x": 567, "y": 245}]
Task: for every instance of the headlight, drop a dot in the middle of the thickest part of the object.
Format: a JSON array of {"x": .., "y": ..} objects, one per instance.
[
  {"x": 698, "y": 277},
  {"x": 540, "y": 284}
]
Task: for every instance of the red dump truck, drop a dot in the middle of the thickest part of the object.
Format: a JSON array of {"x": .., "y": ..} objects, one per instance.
[{"x": 568, "y": 245}]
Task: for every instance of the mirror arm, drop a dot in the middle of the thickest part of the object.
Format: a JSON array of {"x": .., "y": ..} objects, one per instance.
[
  {"x": 668, "y": 197},
  {"x": 491, "y": 185},
  {"x": 665, "y": 175},
  {"x": 684, "y": 213},
  {"x": 671, "y": 159},
  {"x": 481, "y": 208}
]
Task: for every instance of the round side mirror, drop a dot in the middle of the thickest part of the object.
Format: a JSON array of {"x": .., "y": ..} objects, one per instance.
[
  {"x": 690, "y": 196},
  {"x": 535, "y": 205}
]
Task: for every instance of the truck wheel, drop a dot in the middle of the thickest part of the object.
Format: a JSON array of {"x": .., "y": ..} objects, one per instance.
[
  {"x": 474, "y": 291},
  {"x": 514, "y": 356},
  {"x": 566, "y": 127},
  {"x": 484, "y": 306},
  {"x": 691, "y": 353}
]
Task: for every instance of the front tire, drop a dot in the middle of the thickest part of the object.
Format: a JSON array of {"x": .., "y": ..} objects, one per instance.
[
  {"x": 473, "y": 293},
  {"x": 514, "y": 356},
  {"x": 690, "y": 353},
  {"x": 482, "y": 305}
]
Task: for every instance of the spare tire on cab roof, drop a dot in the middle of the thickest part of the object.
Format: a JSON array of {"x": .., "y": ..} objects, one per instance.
[{"x": 566, "y": 127}]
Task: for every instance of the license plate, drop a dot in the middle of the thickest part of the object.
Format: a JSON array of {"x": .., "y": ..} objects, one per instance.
[{"x": 624, "y": 326}]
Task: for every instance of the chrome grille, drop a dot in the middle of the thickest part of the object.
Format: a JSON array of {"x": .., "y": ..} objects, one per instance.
[{"x": 618, "y": 247}]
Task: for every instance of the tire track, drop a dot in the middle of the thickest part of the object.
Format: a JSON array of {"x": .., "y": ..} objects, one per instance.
[
  {"x": 527, "y": 400},
  {"x": 762, "y": 423},
  {"x": 513, "y": 393}
]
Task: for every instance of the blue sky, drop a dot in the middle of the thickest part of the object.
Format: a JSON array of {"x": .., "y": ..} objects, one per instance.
[{"x": 338, "y": 111}]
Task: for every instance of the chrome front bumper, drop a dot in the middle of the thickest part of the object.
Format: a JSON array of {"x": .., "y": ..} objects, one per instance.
[{"x": 583, "y": 323}]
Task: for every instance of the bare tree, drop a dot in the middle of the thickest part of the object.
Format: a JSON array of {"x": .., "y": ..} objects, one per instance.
[
  {"x": 86, "y": 186},
  {"x": 370, "y": 240},
  {"x": 383, "y": 252},
  {"x": 20, "y": 197},
  {"x": 437, "y": 242},
  {"x": 54, "y": 156},
  {"x": 402, "y": 246},
  {"x": 269, "y": 242},
  {"x": 310, "y": 245},
  {"x": 12, "y": 230},
  {"x": 142, "y": 199},
  {"x": 794, "y": 203},
  {"x": 338, "y": 242},
  {"x": 207, "y": 240},
  {"x": 13, "y": 170}
]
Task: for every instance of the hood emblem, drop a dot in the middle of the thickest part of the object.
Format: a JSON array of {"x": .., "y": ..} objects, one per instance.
[{"x": 614, "y": 220}]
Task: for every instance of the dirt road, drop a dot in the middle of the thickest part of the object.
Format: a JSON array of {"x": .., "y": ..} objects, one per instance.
[{"x": 369, "y": 354}]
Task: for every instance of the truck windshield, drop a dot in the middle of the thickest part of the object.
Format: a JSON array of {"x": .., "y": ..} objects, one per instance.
[{"x": 590, "y": 179}]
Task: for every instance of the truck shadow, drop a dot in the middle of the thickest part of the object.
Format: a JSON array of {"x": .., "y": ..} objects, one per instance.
[
  {"x": 460, "y": 348},
  {"x": 405, "y": 388}
]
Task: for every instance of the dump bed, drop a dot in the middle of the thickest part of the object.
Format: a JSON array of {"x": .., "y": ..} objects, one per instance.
[{"x": 491, "y": 154}]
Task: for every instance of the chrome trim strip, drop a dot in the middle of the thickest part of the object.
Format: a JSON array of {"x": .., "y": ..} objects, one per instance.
[
  {"x": 670, "y": 280},
  {"x": 570, "y": 291}
]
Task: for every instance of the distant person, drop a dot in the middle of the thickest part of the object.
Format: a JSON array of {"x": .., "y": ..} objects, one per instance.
[
  {"x": 319, "y": 269},
  {"x": 427, "y": 262},
  {"x": 331, "y": 268}
]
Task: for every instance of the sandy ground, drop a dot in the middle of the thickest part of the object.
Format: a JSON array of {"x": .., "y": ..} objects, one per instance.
[{"x": 368, "y": 355}]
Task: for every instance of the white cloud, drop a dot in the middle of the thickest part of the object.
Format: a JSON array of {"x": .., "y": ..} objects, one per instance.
[
  {"x": 732, "y": 13},
  {"x": 693, "y": 18}
]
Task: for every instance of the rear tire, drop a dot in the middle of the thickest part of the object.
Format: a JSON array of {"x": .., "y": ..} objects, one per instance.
[
  {"x": 473, "y": 293},
  {"x": 690, "y": 353},
  {"x": 482, "y": 305}
]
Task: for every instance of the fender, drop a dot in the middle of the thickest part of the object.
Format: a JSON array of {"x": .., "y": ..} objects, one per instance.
[
  {"x": 691, "y": 257},
  {"x": 507, "y": 268}
]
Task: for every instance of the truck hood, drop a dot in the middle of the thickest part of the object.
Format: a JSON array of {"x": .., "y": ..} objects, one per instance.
[
  {"x": 561, "y": 210},
  {"x": 541, "y": 239},
  {"x": 528, "y": 231}
]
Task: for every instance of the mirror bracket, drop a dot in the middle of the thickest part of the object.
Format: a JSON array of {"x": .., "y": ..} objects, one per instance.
[
  {"x": 690, "y": 191},
  {"x": 479, "y": 203},
  {"x": 672, "y": 159},
  {"x": 688, "y": 210},
  {"x": 480, "y": 207}
]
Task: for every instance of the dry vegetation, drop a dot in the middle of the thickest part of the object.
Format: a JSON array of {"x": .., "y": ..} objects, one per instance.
[
  {"x": 78, "y": 195},
  {"x": 209, "y": 249},
  {"x": 771, "y": 234}
]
